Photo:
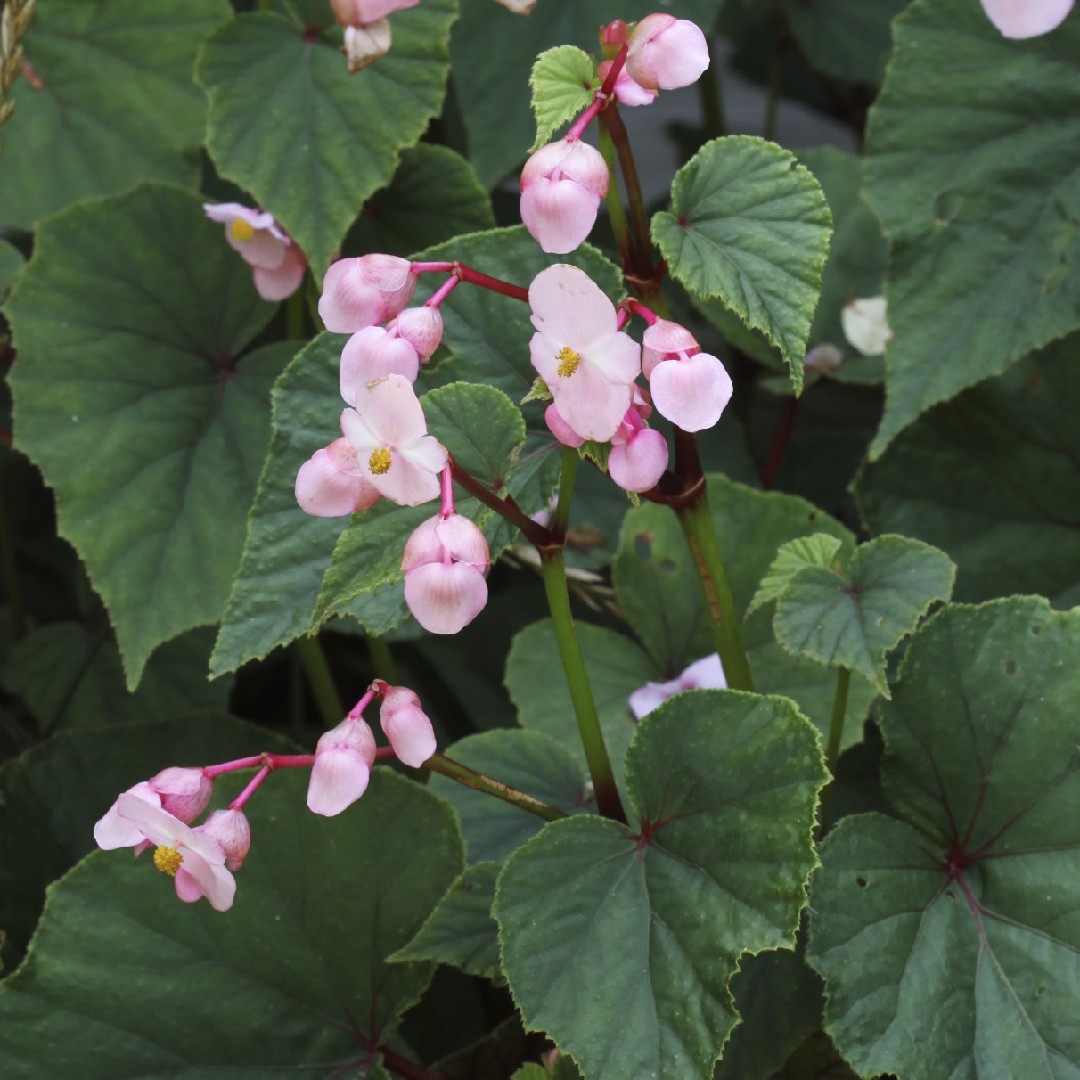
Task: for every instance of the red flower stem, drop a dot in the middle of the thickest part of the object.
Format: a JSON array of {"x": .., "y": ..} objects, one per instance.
[
  {"x": 470, "y": 778},
  {"x": 641, "y": 243},
  {"x": 473, "y": 277},
  {"x": 601, "y": 98},
  {"x": 267, "y": 761},
  {"x": 446, "y": 508},
  {"x": 252, "y": 787},
  {"x": 443, "y": 291},
  {"x": 504, "y": 506},
  {"x": 781, "y": 438},
  {"x": 638, "y": 308}
]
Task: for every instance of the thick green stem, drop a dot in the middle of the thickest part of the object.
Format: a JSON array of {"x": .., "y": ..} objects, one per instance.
[
  {"x": 640, "y": 240},
  {"x": 697, "y": 526},
  {"x": 616, "y": 214},
  {"x": 321, "y": 681},
  {"x": 295, "y": 316},
  {"x": 567, "y": 477},
  {"x": 445, "y": 766},
  {"x": 711, "y": 94},
  {"x": 836, "y": 737}
]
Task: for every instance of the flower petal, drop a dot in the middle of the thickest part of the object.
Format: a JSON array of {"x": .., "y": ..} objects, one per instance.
[
  {"x": 444, "y": 598},
  {"x": 692, "y": 392},
  {"x": 570, "y": 308}
]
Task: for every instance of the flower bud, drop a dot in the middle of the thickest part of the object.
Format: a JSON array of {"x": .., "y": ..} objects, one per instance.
[
  {"x": 372, "y": 353},
  {"x": 364, "y": 292},
  {"x": 230, "y": 828},
  {"x": 665, "y": 340},
  {"x": 422, "y": 328},
  {"x": 184, "y": 793},
  {"x": 407, "y": 726},
  {"x": 330, "y": 483},
  {"x": 628, "y": 91},
  {"x": 444, "y": 562},
  {"x": 561, "y": 188},
  {"x": 343, "y": 760},
  {"x": 365, "y": 44},
  {"x": 665, "y": 53}
]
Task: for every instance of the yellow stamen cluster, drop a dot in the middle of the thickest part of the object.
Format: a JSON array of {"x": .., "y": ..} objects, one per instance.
[
  {"x": 168, "y": 860},
  {"x": 379, "y": 462},
  {"x": 568, "y": 362},
  {"x": 241, "y": 230}
]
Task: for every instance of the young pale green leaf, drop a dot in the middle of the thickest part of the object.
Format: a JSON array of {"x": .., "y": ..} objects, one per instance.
[
  {"x": 562, "y": 83},
  {"x": 115, "y": 106},
  {"x": 947, "y": 935},
  {"x": 847, "y": 39},
  {"x": 853, "y": 618},
  {"x": 975, "y": 182},
  {"x": 527, "y": 760},
  {"x": 990, "y": 478},
  {"x": 750, "y": 226},
  {"x": 70, "y": 676},
  {"x": 802, "y": 553},
  {"x": 654, "y": 918},
  {"x": 480, "y": 426},
  {"x": 309, "y": 141},
  {"x": 51, "y": 796},
  {"x": 286, "y": 551},
  {"x": 139, "y": 406},
  {"x": 120, "y": 974},
  {"x": 460, "y": 931},
  {"x": 537, "y": 686}
]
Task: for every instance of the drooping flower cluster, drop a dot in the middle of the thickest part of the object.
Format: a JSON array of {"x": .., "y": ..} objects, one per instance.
[
  {"x": 277, "y": 263},
  {"x": 158, "y": 813}
]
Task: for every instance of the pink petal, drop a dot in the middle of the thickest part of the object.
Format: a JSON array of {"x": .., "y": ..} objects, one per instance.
[
  {"x": 282, "y": 281},
  {"x": 559, "y": 214},
  {"x": 592, "y": 406},
  {"x": 338, "y": 779},
  {"x": 407, "y": 726},
  {"x": 232, "y": 830},
  {"x": 212, "y": 879},
  {"x": 445, "y": 598},
  {"x": 349, "y": 302},
  {"x": 638, "y": 465},
  {"x": 665, "y": 340},
  {"x": 329, "y": 483},
  {"x": 372, "y": 353},
  {"x": 568, "y": 307},
  {"x": 693, "y": 392},
  {"x": 1026, "y": 18},
  {"x": 408, "y": 483},
  {"x": 704, "y": 674},
  {"x": 664, "y": 53},
  {"x": 648, "y": 697},
  {"x": 391, "y": 410},
  {"x": 561, "y": 429},
  {"x": 422, "y": 328},
  {"x": 114, "y": 831},
  {"x": 184, "y": 792}
]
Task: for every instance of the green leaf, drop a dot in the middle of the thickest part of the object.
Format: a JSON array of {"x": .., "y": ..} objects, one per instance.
[
  {"x": 51, "y": 796},
  {"x": 461, "y": 931},
  {"x": 725, "y": 785},
  {"x": 847, "y": 39},
  {"x": 296, "y": 970},
  {"x": 116, "y": 105},
  {"x": 433, "y": 197},
  {"x": 309, "y": 141},
  {"x": 990, "y": 478},
  {"x": 562, "y": 83},
  {"x": 70, "y": 676},
  {"x": 480, "y": 426},
  {"x": 286, "y": 551},
  {"x": 526, "y": 760},
  {"x": 818, "y": 550},
  {"x": 11, "y": 262},
  {"x": 975, "y": 181},
  {"x": 750, "y": 226},
  {"x": 947, "y": 935},
  {"x": 139, "y": 407},
  {"x": 852, "y": 619},
  {"x": 537, "y": 685}
]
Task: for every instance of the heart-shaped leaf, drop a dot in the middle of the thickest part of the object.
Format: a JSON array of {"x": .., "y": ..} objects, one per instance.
[{"x": 562, "y": 82}]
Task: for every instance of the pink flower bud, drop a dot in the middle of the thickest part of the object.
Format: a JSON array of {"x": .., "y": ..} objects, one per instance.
[
  {"x": 613, "y": 36},
  {"x": 365, "y": 44},
  {"x": 627, "y": 90},
  {"x": 561, "y": 188},
  {"x": 331, "y": 482},
  {"x": 407, "y": 726},
  {"x": 692, "y": 392},
  {"x": 343, "y": 760},
  {"x": 1026, "y": 18},
  {"x": 184, "y": 793},
  {"x": 361, "y": 12},
  {"x": 561, "y": 429},
  {"x": 639, "y": 455},
  {"x": 665, "y": 53},
  {"x": 665, "y": 340},
  {"x": 365, "y": 291},
  {"x": 230, "y": 828},
  {"x": 422, "y": 328},
  {"x": 372, "y": 353},
  {"x": 444, "y": 562}
]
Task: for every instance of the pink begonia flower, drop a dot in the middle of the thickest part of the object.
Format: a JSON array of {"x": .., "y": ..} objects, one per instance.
[
  {"x": 706, "y": 674},
  {"x": 396, "y": 455},
  {"x": 421, "y": 327},
  {"x": 1026, "y": 18},
  {"x": 331, "y": 483},
  {"x": 183, "y": 793},
  {"x": 664, "y": 53},
  {"x": 361, "y": 12},
  {"x": 195, "y": 860},
  {"x": 277, "y": 264},
  {"x": 372, "y": 353},
  {"x": 561, "y": 188},
  {"x": 364, "y": 292},
  {"x": 232, "y": 830},
  {"x": 561, "y": 429},
  {"x": 343, "y": 760},
  {"x": 588, "y": 364},
  {"x": 639, "y": 455},
  {"x": 444, "y": 562},
  {"x": 363, "y": 45},
  {"x": 866, "y": 324},
  {"x": 690, "y": 388},
  {"x": 407, "y": 726},
  {"x": 627, "y": 89}
]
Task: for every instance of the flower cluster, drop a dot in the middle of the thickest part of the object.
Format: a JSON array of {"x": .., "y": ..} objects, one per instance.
[
  {"x": 277, "y": 264},
  {"x": 158, "y": 813}
]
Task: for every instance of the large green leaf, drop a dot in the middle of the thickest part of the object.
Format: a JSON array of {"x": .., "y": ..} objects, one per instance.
[
  {"x": 652, "y": 920},
  {"x": 116, "y": 105},
  {"x": 309, "y": 141},
  {"x": 133, "y": 396},
  {"x": 750, "y": 226},
  {"x": 51, "y": 796},
  {"x": 70, "y": 676},
  {"x": 977, "y": 184},
  {"x": 991, "y": 478},
  {"x": 121, "y": 976},
  {"x": 948, "y": 935},
  {"x": 851, "y": 618},
  {"x": 847, "y": 39}
]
